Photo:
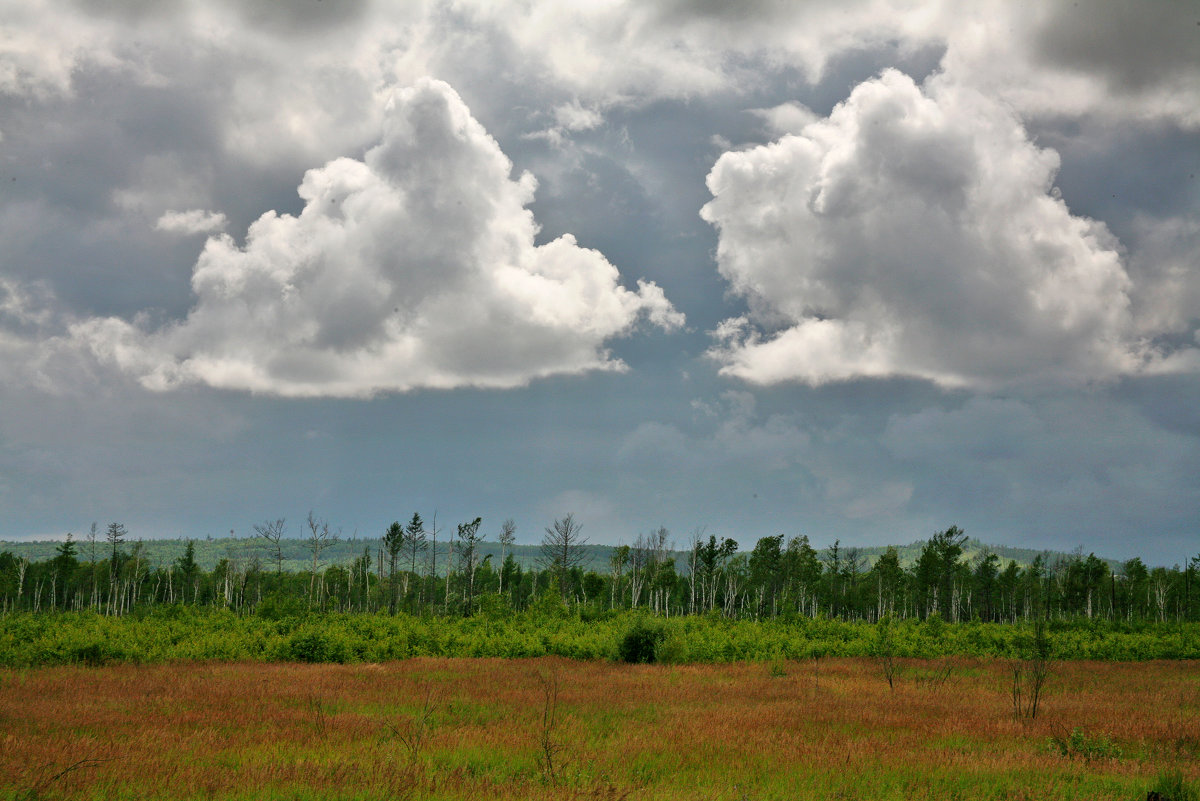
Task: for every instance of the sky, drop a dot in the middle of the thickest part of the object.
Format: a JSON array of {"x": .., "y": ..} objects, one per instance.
[{"x": 856, "y": 270}]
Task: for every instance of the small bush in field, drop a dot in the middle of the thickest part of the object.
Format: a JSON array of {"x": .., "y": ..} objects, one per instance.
[
  {"x": 673, "y": 647},
  {"x": 314, "y": 646},
  {"x": 1078, "y": 745},
  {"x": 639, "y": 643},
  {"x": 1172, "y": 786},
  {"x": 91, "y": 655}
]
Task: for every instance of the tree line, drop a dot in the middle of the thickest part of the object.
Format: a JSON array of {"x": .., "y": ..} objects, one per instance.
[{"x": 420, "y": 567}]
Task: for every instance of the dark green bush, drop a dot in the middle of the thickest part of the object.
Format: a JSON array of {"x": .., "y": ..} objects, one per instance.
[
  {"x": 639, "y": 643},
  {"x": 276, "y": 607},
  {"x": 91, "y": 655},
  {"x": 314, "y": 646}
]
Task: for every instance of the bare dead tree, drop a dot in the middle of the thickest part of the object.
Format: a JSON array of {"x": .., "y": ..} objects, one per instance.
[
  {"x": 661, "y": 547},
  {"x": 467, "y": 547},
  {"x": 319, "y": 538},
  {"x": 696, "y": 543},
  {"x": 562, "y": 549},
  {"x": 393, "y": 542},
  {"x": 271, "y": 532},
  {"x": 852, "y": 567},
  {"x": 115, "y": 536},
  {"x": 22, "y": 566},
  {"x": 95, "y": 599},
  {"x": 433, "y": 533},
  {"x": 449, "y": 570},
  {"x": 415, "y": 544},
  {"x": 508, "y": 536},
  {"x": 1029, "y": 676},
  {"x": 639, "y": 565},
  {"x": 616, "y": 564},
  {"x": 415, "y": 732}
]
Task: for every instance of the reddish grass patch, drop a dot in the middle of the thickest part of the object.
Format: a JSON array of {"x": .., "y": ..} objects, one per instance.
[{"x": 713, "y": 731}]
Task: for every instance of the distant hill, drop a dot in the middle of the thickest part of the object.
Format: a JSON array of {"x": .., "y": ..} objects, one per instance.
[
  {"x": 973, "y": 547},
  {"x": 209, "y": 551}
]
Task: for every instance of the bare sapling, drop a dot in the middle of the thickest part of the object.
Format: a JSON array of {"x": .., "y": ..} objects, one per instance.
[
  {"x": 1029, "y": 675},
  {"x": 415, "y": 732},
  {"x": 50, "y": 774},
  {"x": 885, "y": 651},
  {"x": 551, "y": 756}
]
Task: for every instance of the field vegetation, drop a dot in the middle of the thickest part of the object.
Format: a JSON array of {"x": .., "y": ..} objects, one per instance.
[
  {"x": 181, "y": 633},
  {"x": 424, "y": 668},
  {"x": 551, "y": 728}
]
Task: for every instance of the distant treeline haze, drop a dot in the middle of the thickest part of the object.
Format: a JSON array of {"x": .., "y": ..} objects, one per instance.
[{"x": 423, "y": 568}]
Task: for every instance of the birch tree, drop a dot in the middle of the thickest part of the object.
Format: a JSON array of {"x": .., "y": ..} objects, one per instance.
[
  {"x": 467, "y": 548},
  {"x": 508, "y": 536},
  {"x": 319, "y": 538}
]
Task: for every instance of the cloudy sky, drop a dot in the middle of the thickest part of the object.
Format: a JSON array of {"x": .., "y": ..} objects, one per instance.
[{"x": 858, "y": 270}]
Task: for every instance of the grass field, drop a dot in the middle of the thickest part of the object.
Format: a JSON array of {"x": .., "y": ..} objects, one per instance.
[{"x": 557, "y": 729}]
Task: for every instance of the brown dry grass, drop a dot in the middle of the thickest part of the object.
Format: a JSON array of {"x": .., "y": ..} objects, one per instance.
[{"x": 703, "y": 731}]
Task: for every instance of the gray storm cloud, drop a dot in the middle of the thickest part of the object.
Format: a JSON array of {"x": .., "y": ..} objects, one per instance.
[
  {"x": 916, "y": 231},
  {"x": 415, "y": 267}
]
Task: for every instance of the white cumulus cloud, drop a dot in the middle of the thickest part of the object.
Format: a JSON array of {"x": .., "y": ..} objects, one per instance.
[
  {"x": 915, "y": 233},
  {"x": 414, "y": 267},
  {"x": 193, "y": 221},
  {"x": 786, "y": 118},
  {"x": 574, "y": 117}
]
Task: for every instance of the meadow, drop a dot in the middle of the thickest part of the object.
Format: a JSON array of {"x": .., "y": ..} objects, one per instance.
[{"x": 555, "y": 728}]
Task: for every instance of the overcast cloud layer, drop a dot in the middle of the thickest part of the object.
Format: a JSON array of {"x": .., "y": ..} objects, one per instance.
[{"x": 936, "y": 263}]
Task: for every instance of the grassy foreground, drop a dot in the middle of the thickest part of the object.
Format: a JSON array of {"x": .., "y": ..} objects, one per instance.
[{"x": 551, "y": 728}]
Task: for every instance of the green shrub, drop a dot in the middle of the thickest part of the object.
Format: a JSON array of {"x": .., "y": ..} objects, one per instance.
[
  {"x": 1078, "y": 745},
  {"x": 672, "y": 648},
  {"x": 283, "y": 630},
  {"x": 278, "y": 607},
  {"x": 91, "y": 655},
  {"x": 311, "y": 645},
  {"x": 1171, "y": 786},
  {"x": 640, "y": 643}
]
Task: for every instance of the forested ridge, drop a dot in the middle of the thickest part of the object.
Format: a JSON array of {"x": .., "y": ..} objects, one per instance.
[{"x": 425, "y": 569}]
